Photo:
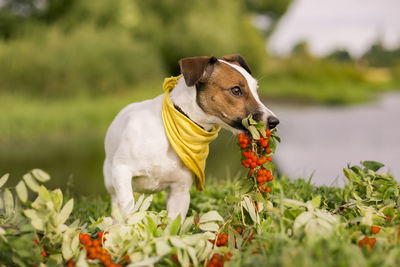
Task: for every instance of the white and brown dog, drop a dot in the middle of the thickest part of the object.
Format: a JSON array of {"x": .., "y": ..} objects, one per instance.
[{"x": 139, "y": 156}]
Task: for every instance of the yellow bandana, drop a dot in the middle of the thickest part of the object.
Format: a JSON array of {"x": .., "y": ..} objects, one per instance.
[{"x": 189, "y": 140}]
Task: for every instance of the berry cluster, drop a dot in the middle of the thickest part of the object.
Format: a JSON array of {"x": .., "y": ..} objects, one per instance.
[
  {"x": 218, "y": 260},
  {"x": 369, "y": 241},
  {"x": 43, "y": 252},
  {"x": 222, "y": 240},
  {"x": 255, "y": 154},
  {"x": 95, "y": 249}
]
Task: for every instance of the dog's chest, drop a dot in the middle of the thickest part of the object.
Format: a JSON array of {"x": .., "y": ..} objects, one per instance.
[{"x": 144, "y": 147}]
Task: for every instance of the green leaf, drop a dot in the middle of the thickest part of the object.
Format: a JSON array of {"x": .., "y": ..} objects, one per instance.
[
  {"x": 138, "y": 203},
  {"x": 175, "y": 225},
  {"x": 269, "y": 166},
  {"x": 56, "y": 198},
  {"x": 146, "y": 203},
  {"x": 211, "y": 216},
  {"x": 277, "y": 138},
  {"x": 176, "y": 242},
  {"x": 187, "y": 224},
  {"x": 147, "y": 262},
  {"x": 252, "y": 121},
  {"x": 151, "y": 225},
  {"x": 192, "y": 239},
  {"x": 31, "y": 214},
  {"x": 209, "y": 226},
  {"x": 66, "y": 211},
  {"x": 302, "y": 220},
  {"x": 263, "y": 132},
  {"x": 162, "y": 247},
  {"x": 260, "y": 125},
  {"x": 66, "y": 248},
  {"x": 192, "y": 253},
  {"x": 254, "y": 133},
  {"x": 40, "y": 175},
  {"x": 272, "y": 145},
  {"x": 82, "y": 259},
  {"x": 231, "y": 237},
  {"x": 316, "y": 201},
  {"x": 351, "y": 176},
  {"x": 245, "y": 122},
  {"x": 372, "y": 165},
  {"x": 44, "y": 194},
  {"x": 206, "y": 252},
  {"x": 30, "y": 182},
  {"x": 4, "y": 179},
  {"x": 8, "y": 202},
  {"x": 22, "y": 192},
  {"x": 136, "y": 217}
]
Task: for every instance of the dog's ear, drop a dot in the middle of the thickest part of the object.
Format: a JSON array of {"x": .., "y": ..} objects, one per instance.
[
  {"x": 196, "y": 69},
  {"x": 238, "y": 60}
]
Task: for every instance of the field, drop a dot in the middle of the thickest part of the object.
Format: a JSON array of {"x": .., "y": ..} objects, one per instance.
[{"x": 296, "y": 224}]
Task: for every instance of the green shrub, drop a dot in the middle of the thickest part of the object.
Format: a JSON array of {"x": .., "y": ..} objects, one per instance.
[{"x": 87, "y": 60}]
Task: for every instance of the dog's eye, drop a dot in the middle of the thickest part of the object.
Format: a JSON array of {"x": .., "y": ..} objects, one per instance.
[{"x": 236, "y": 91}]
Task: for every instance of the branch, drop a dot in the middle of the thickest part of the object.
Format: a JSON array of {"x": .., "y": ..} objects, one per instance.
[
  {"x": 9, "y": 226},
  {"x": 348, "y": 205}
]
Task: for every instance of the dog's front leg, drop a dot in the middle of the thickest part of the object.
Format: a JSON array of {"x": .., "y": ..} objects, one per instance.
[
  {"x": 178, "y": 200},
  {"x": 122, "y": 183}
]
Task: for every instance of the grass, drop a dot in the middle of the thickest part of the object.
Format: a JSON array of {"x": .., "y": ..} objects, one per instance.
[{"x": 276, "y": 244}]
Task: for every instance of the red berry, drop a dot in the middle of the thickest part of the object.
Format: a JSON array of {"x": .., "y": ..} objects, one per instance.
[
  {"x": 43, "y": 253},
  {"x": 239, "y": 230},
  {"x": 371, "y": 242},
  {"x": 375, "y": 229},
  {"x": 269, "y": 159},
  {"x": 363, "y": 242},
  {"x": 96, "y": 243}
]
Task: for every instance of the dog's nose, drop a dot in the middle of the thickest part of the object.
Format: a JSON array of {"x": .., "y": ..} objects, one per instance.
[{"x": 272, "y": 122}]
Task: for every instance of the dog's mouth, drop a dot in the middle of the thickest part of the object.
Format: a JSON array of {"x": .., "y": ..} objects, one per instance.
[{"x": 237, "y": 124}]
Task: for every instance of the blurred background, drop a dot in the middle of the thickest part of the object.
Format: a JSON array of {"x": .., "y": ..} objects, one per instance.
[{"x": 330, "y": 70}]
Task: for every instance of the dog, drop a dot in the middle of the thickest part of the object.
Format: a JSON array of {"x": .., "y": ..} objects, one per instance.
[{"x": 139, "y": 157}]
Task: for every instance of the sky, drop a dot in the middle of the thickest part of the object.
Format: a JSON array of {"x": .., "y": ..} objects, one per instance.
[{"x": 335, "y": 24}]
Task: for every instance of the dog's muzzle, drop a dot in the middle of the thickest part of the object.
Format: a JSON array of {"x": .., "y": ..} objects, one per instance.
[{"x": 272, "y": 122}]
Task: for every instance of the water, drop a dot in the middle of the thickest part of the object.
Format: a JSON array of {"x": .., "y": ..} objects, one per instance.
[{"x": 320, "y": 141}]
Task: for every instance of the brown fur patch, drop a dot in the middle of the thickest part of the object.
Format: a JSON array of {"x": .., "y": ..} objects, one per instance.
[{"x": 215, "y": 98}]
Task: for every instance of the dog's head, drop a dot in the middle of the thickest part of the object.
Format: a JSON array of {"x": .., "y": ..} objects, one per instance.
[{"x": 226, "y": 90}]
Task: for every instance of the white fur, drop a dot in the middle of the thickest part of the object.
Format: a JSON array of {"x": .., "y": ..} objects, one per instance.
[
  {"x": 253, "y": 84},
  {"x": 139, "y": 155}
]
